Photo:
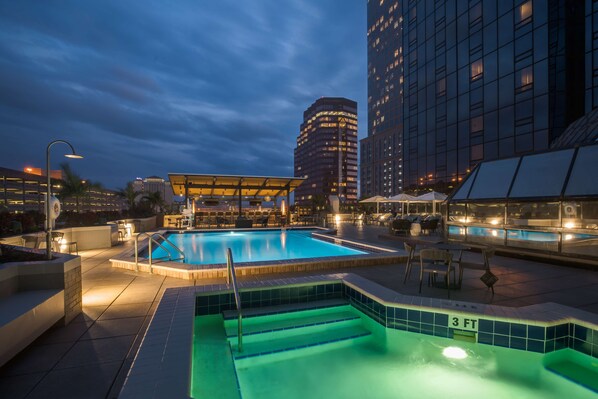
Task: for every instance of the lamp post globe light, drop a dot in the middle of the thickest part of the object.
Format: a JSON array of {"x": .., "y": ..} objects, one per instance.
[{"x": 49, "y": 192}]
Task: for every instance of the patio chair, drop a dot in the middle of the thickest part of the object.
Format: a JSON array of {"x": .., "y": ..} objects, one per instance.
[
  {"x": 429, "y": 226},
  {"x": 31, "y": 241},
  {"x": 57, "y": 237},
  {"x": 412, "y": 256},
  {"x": 434, "y": 262},
  {"x": 401, "y": 226},
  {"x": 488, "y": 277}
]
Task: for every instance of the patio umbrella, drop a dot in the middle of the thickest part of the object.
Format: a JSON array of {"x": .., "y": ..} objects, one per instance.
[
  {"x": 432, "y": 197},
  {"x": 402, "y": 198},
  {"x": 377, "y": 199}
]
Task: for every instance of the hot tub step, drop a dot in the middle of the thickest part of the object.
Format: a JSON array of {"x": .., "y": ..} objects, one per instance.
[
  {"x": 275, "y": 349},
  {"x": 291, "y": 321}
]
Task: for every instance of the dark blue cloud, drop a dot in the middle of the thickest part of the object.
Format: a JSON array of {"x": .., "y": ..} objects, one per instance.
[{"x": 147, "y": 88}]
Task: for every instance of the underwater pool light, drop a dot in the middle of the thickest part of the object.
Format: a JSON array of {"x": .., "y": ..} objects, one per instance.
[{"x": 453, "y": 352}]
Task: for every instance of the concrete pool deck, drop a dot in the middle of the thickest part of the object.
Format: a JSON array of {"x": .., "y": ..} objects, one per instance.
[{"x": 90, "y": 357}]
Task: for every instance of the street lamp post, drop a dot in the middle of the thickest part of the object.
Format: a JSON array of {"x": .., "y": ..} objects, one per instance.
[{"x": 49, "y": 193}]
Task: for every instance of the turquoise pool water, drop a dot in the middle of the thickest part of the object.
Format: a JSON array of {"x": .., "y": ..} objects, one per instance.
[
  {"x": 385, "y": 364},
  {"x": 255, "y": 246}
]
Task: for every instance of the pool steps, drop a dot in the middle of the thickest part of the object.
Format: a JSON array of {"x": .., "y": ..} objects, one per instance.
[
  {"x": 288, "y": 308},
  {"x": 285, "y": 332}
]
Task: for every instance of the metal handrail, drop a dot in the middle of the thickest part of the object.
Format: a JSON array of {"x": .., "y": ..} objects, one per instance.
[
  {"x": 231, "y": 276},
  {"x": 152, "y": 239}
]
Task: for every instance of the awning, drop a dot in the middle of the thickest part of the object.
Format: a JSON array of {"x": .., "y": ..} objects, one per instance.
[{"x": 219, "y": 186}]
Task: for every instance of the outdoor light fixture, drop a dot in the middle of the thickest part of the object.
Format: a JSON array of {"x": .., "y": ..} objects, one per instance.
[
  {"x": 74, "y": 155},
  {"x": 454, "y": 352}
]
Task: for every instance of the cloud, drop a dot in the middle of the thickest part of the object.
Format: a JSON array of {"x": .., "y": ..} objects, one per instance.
[{"x": 155, "y": 87}]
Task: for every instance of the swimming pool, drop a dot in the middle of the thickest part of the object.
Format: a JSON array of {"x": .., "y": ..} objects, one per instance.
[
  {"x": 502, "y": 338},
  {"x": 253, "y": 246},
  {"x": 338, "y": 352}
]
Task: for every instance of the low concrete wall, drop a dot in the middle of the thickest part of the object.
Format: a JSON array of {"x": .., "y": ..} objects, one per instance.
[
  {"x": 92, "y": 237},
  {"x": 63, "y": 272}
]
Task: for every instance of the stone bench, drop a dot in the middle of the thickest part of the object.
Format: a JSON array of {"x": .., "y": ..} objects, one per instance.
[
  {"x": 34, "y": 296},
  {"x": 24, "y": 316}
]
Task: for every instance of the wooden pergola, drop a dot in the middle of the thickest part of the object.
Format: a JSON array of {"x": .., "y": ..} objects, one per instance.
[{"x": 231, "y": 186}]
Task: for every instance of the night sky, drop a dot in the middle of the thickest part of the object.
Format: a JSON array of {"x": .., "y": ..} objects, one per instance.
[{"x": 145, "y": 88}]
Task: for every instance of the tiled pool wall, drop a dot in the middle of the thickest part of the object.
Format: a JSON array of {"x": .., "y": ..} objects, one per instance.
[
  {"x": 521, "y": 336},
  {"x": 217, "y": 303}
]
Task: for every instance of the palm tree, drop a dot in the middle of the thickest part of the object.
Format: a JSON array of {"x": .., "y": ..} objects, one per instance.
[
  {"x": 154, "y": 200},
  {"x": 129, "y": 195},
  {"x": 72, "y": 185}
]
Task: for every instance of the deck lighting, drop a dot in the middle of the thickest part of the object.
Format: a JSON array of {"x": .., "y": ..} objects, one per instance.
[
  {"x": 49, "y": 192},
  {"x": 453, "y": 352},
  {"x": 569, "y": 225}
]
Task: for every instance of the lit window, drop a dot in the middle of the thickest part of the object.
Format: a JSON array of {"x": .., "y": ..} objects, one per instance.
[
  {"x": 525, "y": 78},
  {"x": 477, "y": 69},
  {"x": 523, "y": 14}
]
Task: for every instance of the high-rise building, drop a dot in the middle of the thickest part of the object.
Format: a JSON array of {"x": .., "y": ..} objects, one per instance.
[
  {"x": 326, "y": 152},
  {"x": 381, "y": 163},
  {"x": 480, "y": 80}
]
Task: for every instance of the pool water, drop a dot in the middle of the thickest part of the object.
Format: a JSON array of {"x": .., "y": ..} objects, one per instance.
[
  {"x": 259, "y": 246},
  {"x": 387, "y": 363}
]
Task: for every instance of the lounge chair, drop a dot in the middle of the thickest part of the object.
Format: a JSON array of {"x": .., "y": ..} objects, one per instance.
[{"x": 401, "y": 226}]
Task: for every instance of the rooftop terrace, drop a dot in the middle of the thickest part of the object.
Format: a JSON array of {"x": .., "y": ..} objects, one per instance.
[{"x": 91, "y": 356}]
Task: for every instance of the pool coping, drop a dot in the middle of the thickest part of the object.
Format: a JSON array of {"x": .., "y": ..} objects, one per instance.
[
  {"x": 162, "y": 366},
  {"x": 382, "y": 256}
]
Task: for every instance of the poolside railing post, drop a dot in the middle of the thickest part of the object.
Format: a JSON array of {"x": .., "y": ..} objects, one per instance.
[{"x": 150, "y": 255}]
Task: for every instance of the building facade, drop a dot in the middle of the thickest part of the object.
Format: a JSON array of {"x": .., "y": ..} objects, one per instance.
[
  {"x": 22, "y": 192},
  {"x": 381, "y": 163},
  {"x": 326, "y": 152},
  {"x": 481, "y": 80},
  {"x": 154, "y": 184}
]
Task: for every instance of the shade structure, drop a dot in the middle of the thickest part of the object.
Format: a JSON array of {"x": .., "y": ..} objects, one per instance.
[
  {"x": 432, "y": 197},
  {"x": 210, "y": 186},
  {"x": 377, "y": 199},
  {"x": 402, "y": 198}
]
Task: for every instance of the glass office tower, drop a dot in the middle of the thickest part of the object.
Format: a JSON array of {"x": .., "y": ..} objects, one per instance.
[
  {"x": 484, "y": 80},
  {"x": 381, "y": 160},
  {"x": 326, "y": 152}
]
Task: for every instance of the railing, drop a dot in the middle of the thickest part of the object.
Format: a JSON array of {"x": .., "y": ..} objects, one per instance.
[
  {"x": 231, "y": 276},
  {"x": 151, "y": 238}
]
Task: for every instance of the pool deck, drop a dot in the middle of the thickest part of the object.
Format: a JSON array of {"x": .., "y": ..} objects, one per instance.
[{"x": 90, "y": 357}]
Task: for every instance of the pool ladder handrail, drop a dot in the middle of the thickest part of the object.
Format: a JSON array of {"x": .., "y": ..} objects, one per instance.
[
  {"x": 231, "y": 276},
  {"x": 151, "y": 238}
]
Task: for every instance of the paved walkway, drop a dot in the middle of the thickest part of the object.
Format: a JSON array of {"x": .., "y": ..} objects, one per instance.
[{"x": 90, "y": 357}]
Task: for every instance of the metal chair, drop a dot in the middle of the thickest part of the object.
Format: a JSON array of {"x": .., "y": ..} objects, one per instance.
[
  {"x": 411, "y": 256},
  {"x": 57, "y": 237},
  {"x": 488, "y": 278},
  {"x": 434, "y": 262},
  {"x": 31, "y": 241}
]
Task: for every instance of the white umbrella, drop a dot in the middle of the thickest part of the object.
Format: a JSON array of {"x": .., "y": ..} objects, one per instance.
[
  {"x": 377, "y": 199},
  {"x": 432, "y": 197},
  {"x": 402, "y": 198}
]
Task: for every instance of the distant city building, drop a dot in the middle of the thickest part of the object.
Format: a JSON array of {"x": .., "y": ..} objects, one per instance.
[
  {"x": 471, "y": 81},
  {"x": 154, "y": 184},
  {"x": 22, "y": 192},
  {"x": 54, "y": 174},
  {"x": 326, "y": 152}
]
